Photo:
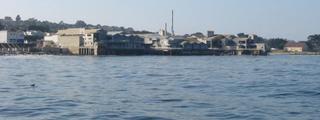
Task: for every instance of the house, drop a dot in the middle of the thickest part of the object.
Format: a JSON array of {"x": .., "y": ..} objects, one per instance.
[
  {"x": 12, "y": 37},
  {"x": 295, "y": 47},
  {"x": 194, "y": 44}
]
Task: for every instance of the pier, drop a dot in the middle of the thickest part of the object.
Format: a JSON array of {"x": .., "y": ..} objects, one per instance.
[
  {"x": 183, "y": 52},
  {"x": 6, "y": 48}
]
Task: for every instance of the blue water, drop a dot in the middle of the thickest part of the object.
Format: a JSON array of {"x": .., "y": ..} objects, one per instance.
[{"x": 160, "y": 88}]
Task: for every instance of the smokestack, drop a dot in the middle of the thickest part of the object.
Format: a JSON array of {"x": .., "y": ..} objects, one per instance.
[
  {"x": 166, "y": 29},
  {"x": 172, "y": 27}
]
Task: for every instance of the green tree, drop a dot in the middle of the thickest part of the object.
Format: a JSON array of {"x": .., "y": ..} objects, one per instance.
[
  {"x": 314, "y": 42},
  {"x": 81, "y": 24},
  {"x": 18, "y": 18},
  {"x": 42, "y": 28},
  {"x": 1, "y": 26},
  {"x": 277, "y": 43}
]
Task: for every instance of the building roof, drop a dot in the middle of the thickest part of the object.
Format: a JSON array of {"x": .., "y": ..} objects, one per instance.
[
  {"x": 293, "y": 44},
  {"x": 192, "y": 41},
  {"x": 241, "y": 39},
  {"x": 77, "y": 31}
]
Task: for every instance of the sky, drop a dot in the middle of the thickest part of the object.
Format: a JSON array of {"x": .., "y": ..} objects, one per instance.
[{"x": 291, "y": 19}]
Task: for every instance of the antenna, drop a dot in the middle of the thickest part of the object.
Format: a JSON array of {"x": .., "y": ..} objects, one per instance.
[{"x": 172, "y": 27}]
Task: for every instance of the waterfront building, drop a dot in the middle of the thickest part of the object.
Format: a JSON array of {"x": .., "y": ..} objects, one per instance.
[
  {"x": 151, "y": 40},
  {"x": 51, "y": 38},
  {"x": 175, "y": 41},
  {"x": 126, "y": 41},
  {"x": 71, "y": 44},
  {"x": 194, "y": 44},
  {"x": 34, "y": 33},
  {"x": 210, "y": 33},
  {"x": 296, "y": 47},
  {"x": 242, "y": 43},
  {"x": 32, "y": 36},
  {"x": 12, "y": 37},
  {"x": 81, "y": 41}
]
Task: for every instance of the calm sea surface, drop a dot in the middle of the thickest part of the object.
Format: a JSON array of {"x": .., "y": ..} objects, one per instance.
[{"x": 160, "y": 88}]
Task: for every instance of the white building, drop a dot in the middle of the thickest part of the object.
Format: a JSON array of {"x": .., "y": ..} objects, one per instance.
[
  {"x": 261, "y": 46},
  {"x": 11, "y": 37},
  {"x": 34, "y": 33},
  {"x": 52, "y": 38}
]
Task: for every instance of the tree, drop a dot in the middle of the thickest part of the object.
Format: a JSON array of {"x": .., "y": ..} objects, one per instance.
[
  {"x": 61, "y": 23},
  {"x": 7, "y": 18},
  {"x": 18, "y": 18},
  {"x": 1, "y": 26},
  {"x": 32, "y": 38},
  {"x": 277, "y": 43},
  {"x": 42, "y": 28},
  {"x": 314, "y": 42},
  {"x": 81, "y": 24}
]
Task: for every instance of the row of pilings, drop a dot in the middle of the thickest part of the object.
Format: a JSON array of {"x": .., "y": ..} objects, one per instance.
[
  {"x": 181, "y": 52},
  {"x": 12, "y": 49}
]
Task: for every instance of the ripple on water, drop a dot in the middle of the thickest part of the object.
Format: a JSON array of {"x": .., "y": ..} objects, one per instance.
[
  {"x": 278, "y": 95},
  {"x": 19, "y": 75},
  {"x": 170, "y": 100},
  {"x": 14, "y": 111},
  {"x": 147, "y": 118},
  {"x": 293, "y": 94},
  {"x": 164, "y": 75},
  {"x": 5, "y": 90},
  {"x": 308, "y": 93},
  {"x": 27, "y": 98},
  {"x": 227, "y": 116},
  {"x": 63, "y": 103},
  {"x": 196, "y": 86},
  {"x": 213, "y": 88},
  {"x": 69, "y": 76}
]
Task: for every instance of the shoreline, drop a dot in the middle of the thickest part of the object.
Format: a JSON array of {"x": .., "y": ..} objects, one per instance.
[
  {"x": 296, "y": 53},
  {"x": 270, "y": 54}
]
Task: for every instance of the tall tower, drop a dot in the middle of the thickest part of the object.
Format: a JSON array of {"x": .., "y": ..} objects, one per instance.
[
  {"x": 166, "y": 29},
  {"x": 172, "y": 27}
]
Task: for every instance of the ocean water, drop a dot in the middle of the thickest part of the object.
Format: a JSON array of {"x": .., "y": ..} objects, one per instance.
[{"x": 160, "y": 88}]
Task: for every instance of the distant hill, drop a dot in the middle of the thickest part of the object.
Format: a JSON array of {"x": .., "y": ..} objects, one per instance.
[{"x": 46, "y": 26}]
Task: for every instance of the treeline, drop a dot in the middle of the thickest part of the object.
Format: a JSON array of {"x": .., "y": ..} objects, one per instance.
[
  {"x": 46, "y": 26},
  {"x": 313, "y": 43}
]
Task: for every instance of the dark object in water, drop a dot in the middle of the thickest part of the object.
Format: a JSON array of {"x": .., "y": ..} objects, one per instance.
[{"x": 33, "y": 85}]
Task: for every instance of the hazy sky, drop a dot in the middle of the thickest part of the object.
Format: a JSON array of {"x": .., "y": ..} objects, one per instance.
[{"x": 292, "y": 19}]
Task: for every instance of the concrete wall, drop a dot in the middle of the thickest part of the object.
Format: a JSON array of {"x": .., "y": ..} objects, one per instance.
[
  {"x": 52, "y": 38},
  {"x": 70, "y": 44}
]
